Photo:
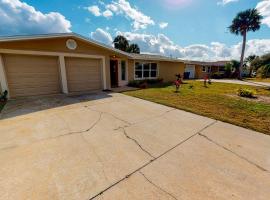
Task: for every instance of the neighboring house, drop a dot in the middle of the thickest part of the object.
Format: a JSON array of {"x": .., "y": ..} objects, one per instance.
[
  {"x": 70, "y": 63},
  {"x": 199, "y": 69}
]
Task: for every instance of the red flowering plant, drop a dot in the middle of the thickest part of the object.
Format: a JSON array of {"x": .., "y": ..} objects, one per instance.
[{"x": 178, "y": 82}]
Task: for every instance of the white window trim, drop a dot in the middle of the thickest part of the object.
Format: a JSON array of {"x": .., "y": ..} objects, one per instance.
[
  {"x": 209, "y": 69},
  {"x": 144, "y": 62},
  {"x": 120, "y": 81}
]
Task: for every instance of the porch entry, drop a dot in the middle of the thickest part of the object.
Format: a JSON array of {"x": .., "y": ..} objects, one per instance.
[
  {"x": 191, "y": 70},
  {"x": 114, "y": 73}
]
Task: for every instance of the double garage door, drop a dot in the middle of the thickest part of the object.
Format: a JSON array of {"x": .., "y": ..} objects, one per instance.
[{"x": 29, "y": 75}]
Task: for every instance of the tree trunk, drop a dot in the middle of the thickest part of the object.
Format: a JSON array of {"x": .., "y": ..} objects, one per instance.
[{"x": 242, "y": 55}]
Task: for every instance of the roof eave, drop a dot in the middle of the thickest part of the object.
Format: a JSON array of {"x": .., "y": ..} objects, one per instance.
[{"x": 59, "y": 35}]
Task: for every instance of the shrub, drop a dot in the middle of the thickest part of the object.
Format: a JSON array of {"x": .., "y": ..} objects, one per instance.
[
  {"x": 264, "y": 71},
  {"x": 144, "y": 83},
  {"x": 3, "y": 96},
  {"x": 228, "y": 70},
  {"x": 135, "y": 83},
  {"x": 154, "y": 81},
  {"x": 244, "y": 92},
  {"x": 217, "y": 75}
]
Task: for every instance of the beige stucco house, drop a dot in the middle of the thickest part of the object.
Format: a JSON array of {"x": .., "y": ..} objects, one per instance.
[{"x": 70, "y": 63}]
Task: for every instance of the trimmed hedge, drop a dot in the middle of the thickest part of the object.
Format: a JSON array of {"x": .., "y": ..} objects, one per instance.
[{"x": 144, "y": 83}]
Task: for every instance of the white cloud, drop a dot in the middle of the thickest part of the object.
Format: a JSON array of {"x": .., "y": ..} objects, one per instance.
[
  {"x": 107, "y": 13},
  {"x": 20, "y": 18},
  {"x": 224, "y": 2},
  {"x": 264, "y": 8},
  {"x": 161, "y": 44},
  {"x": 94, "y": 10},
  {"x": 163, "y": 25},
  {"x": 101, "y": 2},
  {"x": 102, "y": 36},
  {"x": 123, "y": 7}
]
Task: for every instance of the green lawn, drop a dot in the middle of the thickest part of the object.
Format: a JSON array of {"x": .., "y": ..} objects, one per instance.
[{"x": 218, "y": 101}]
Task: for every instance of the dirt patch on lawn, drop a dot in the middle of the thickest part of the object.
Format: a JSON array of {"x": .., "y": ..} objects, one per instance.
[{"x": 258, "y": 98}]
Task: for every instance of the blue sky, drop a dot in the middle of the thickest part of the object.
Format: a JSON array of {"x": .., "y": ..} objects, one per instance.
[{"x": 180, "y": 28}]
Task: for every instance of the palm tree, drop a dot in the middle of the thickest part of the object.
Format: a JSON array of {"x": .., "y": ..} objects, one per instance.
[
  {"x": 134, "y": 48},
  {"x": 249, "y": 20},
  {"x": 248, "y": 62},
  {"x": 120, "y": 42}
]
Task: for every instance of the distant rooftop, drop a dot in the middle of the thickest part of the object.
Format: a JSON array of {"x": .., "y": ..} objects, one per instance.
[{"x": 154, "y": 57}]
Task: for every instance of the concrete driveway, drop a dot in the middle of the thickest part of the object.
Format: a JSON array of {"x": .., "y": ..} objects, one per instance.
[{"x": 111, "y": 146}]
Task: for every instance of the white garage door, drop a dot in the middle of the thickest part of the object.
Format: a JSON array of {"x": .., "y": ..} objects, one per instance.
[
  {"x": 191, "y": 70},
  {"x": 29, "y": 75},
  {"x": 83, "y": 74}
]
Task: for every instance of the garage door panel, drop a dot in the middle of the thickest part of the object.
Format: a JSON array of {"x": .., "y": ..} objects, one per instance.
[
  {"x": 41, "y": 68},
  {"x": 40, "y": 85},
  {"x": 34, "y": 77},
  {"x": 85, "y": 77},
  {"x": 30, "y": 75},
  {"x": 83, "y": 74},
  {"x": 22, "y": 92}
]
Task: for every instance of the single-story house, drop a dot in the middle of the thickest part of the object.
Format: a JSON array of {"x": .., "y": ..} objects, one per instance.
[
  {"x": 199, "y": 69},
  {"x": 70, "y": 63}
]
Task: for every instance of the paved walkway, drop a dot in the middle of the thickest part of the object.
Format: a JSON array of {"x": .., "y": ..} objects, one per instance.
[
  {"x": 234, "y": 81},
  {"x": 111, "y": 146}
]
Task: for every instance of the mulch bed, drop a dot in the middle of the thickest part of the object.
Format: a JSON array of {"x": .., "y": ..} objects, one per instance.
[{"x": 258, "y": 98}]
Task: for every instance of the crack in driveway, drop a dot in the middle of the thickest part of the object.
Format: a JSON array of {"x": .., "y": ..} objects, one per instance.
[
  {"x": 89, "y": 129},
  {"x": 66, "y": 134},
  {"x": 154, "y": 159},
  {"x": 156, "y": 186},
  {"x": 136, "y": 142},
  {"x": 236, "y": 154},
  {"x": 108, "y": 113}
]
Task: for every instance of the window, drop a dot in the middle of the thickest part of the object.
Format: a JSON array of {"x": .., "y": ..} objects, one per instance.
[
  {"x": 123, "y": 70},
  {"x": 204, "y": 69},
  {"x": 138, "y": 70},
  {"x": 153, "y": 70},
  {"x": 145, "y": 70}
]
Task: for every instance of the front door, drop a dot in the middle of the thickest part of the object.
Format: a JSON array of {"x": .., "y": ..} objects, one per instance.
[
  {"x": 114, "y": 73},
  {"x": 191, "y": 70}
]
